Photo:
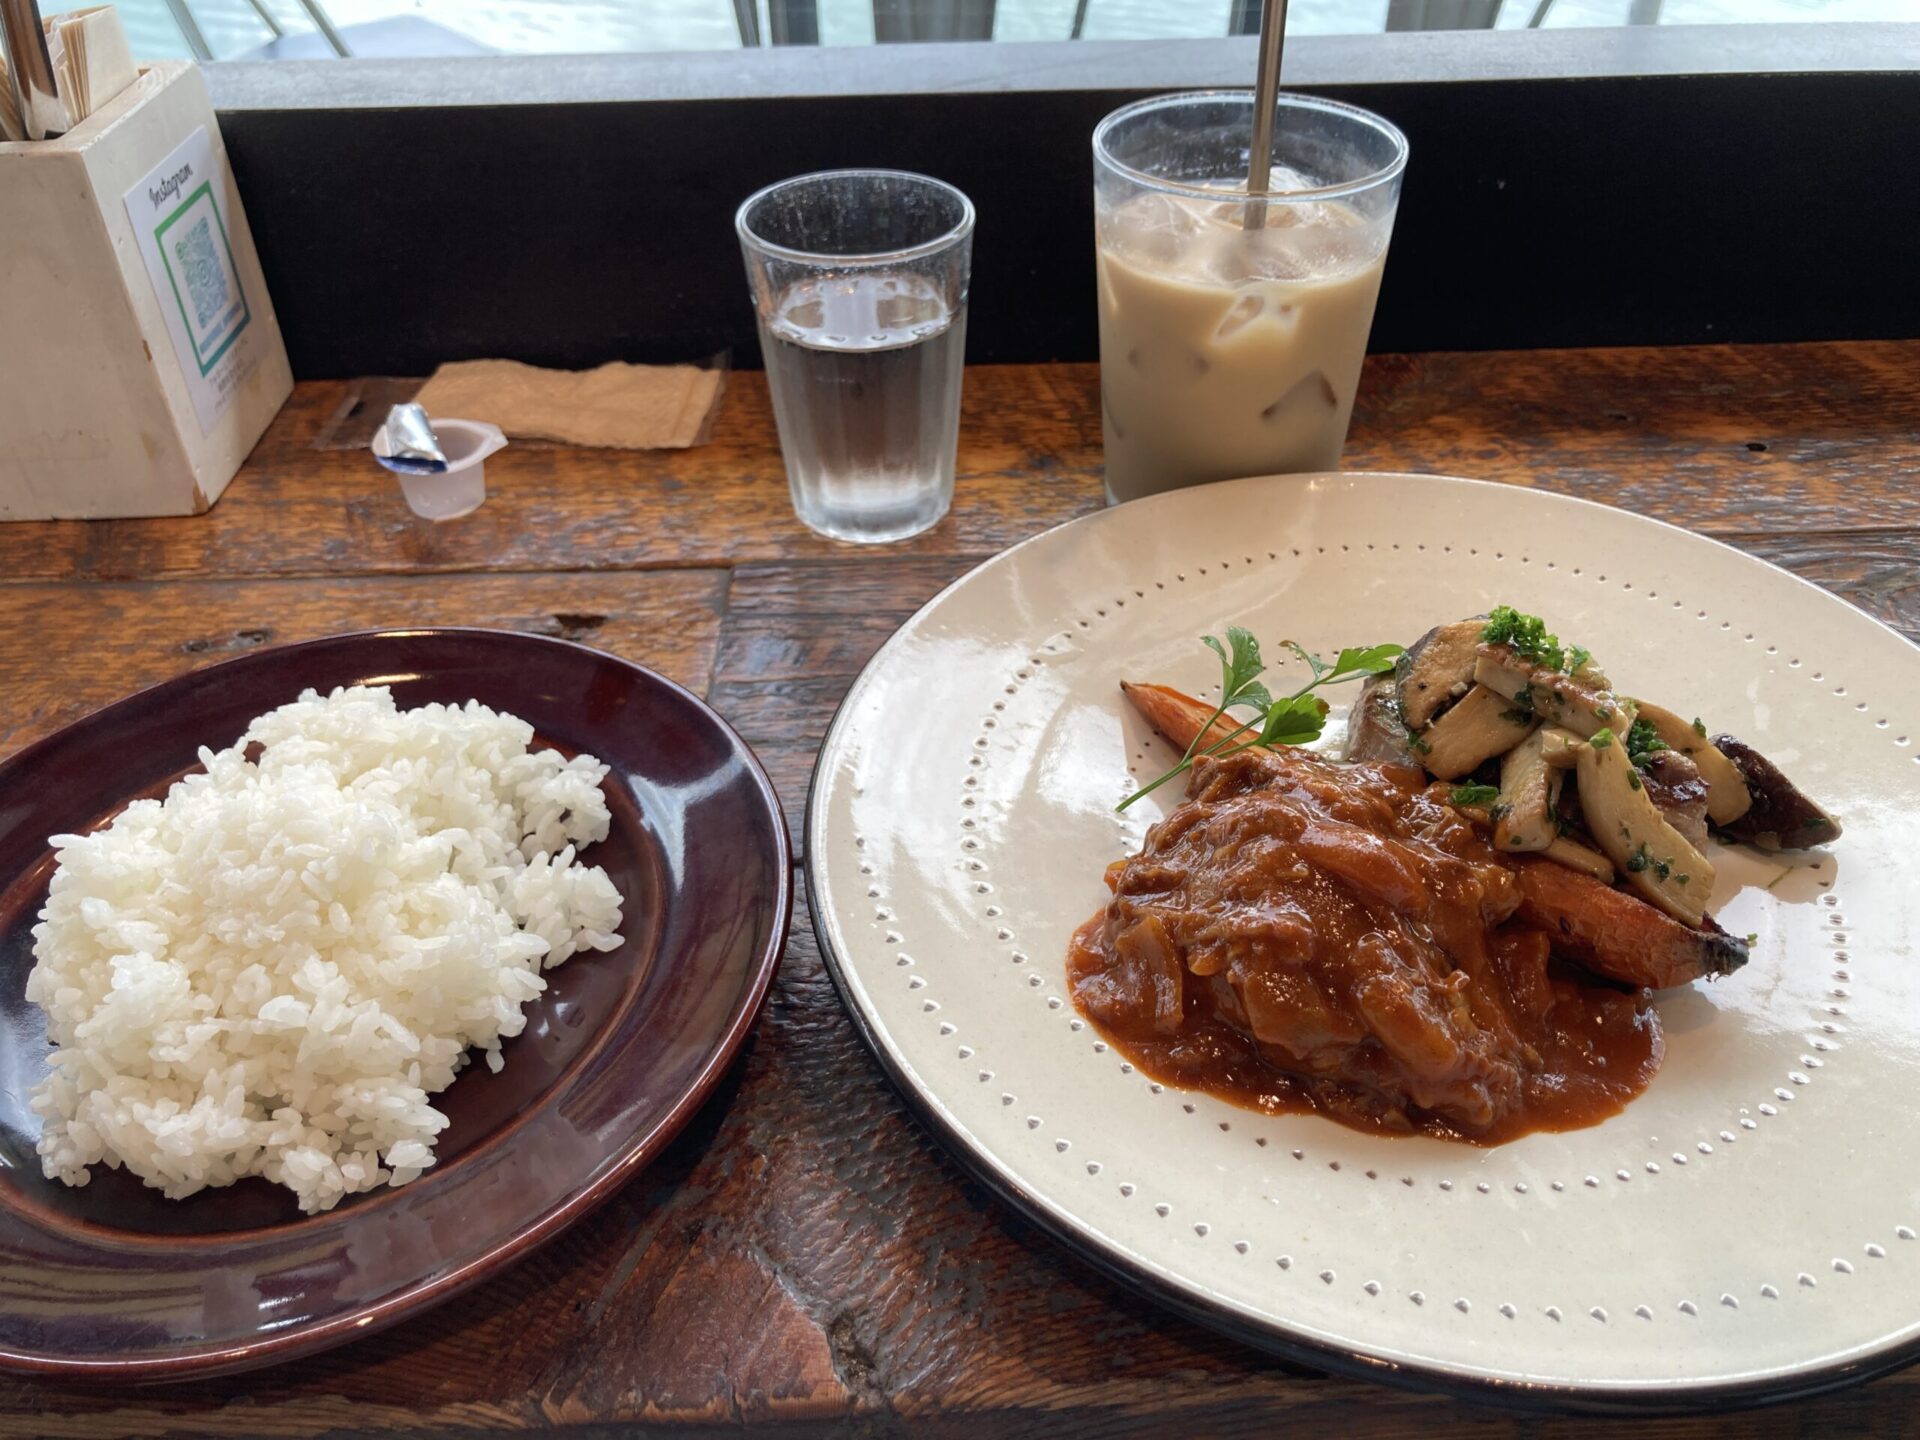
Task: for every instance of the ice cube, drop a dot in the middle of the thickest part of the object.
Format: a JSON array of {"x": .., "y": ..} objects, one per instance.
[
  {"x": 1154, "y": 213},
  {"x": 1284, "y": 178},
  {"x": 1259, "y": 255},
  {"x": 1304, "y": 251},
  {"x": 1310, "y": 392},
  {"x": 906, "y": 311},
  {"x": 1242, "y": 313},
  {"x": 1164, "y": 360},
  {"x": 1334, "y": 250},
  {"x": 1153, "y": 229},
  {"x": 1226, "y": 214},
  {"x": 808, "y": 314}
]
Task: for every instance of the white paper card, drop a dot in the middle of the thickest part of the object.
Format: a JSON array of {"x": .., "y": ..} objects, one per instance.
[{"x": 179, "y": 213}]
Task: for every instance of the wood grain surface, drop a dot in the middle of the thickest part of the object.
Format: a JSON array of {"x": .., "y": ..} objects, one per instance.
[
  {"x": 1665, "y": 432},
  {"x": 68, "y": 649},
  {"x": 804, "y": 1260}
]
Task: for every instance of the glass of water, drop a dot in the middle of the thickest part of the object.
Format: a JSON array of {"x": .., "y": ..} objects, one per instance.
[{"x": 859, "y": 282}]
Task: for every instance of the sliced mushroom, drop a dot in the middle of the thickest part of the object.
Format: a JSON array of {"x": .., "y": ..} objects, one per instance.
[
  {"x": 1559, "y": 751},
  {"x": 1782, "y": 818},
  {"x": 1438, "y": 669},
  {"x": 1524, "y": 818},
  {"x": 1481, "y": 726},
  {"x": 1679, "y": 792},
  {"x": 1560, "y": 747},
  {"x": 1728, "y": 797},
  {"x": 1576, "y": 701},
  {"x": 1377, "y": 733},
  {"x": 1658, "y": 860},
  {"x": 1575, "y": 856}
]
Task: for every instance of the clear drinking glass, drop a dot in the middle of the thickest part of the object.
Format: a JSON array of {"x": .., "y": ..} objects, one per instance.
[
  {"x": 859, "y": 282},
  {"x": 1232, "y": 327}
]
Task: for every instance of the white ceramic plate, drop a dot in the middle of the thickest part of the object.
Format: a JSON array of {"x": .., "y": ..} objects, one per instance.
[{"x": 1744, "y": 1230}]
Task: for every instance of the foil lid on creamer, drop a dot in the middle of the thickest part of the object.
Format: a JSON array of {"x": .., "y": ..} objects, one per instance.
[{"x": 406, "y": 443}]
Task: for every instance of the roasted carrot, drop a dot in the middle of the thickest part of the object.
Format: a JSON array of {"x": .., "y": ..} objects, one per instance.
[
  {"x": 1616, "y": 934},
  {"x": 1177, "y": 716}
]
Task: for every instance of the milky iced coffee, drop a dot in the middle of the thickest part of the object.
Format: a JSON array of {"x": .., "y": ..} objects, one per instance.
[{"x": 1231, "y": 328}]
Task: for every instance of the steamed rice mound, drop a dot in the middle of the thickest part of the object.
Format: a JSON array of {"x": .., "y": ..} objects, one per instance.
[{"x": 270, "y": 971}]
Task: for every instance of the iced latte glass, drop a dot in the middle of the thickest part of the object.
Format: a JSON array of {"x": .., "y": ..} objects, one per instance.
[{"x": 1232, "y": 327}]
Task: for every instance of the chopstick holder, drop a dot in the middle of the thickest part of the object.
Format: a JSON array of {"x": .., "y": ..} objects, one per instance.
[{"x": 143, "y": 357}]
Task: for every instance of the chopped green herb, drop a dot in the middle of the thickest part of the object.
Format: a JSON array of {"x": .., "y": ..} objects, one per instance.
[
  {"x": 1662, "y": 868},
  {"x": 1527, "y": 637},
  {"x": 1640, "y": 859},
  {"x": 1602, "y": 738},
  {"x": 1517, "y": 717},
  {"x": 1603, "y": 712},
  {"x": 1753, "y": 937},
  {"x": 1499, "y": 813},
  {"x": 1643, "y": 744},
  {"x": 1473, "y": 795},
  {"x": 1524, "y": 699},
  {"x": 1681, "y": 879},
  {"x": 1416, "y": 744},
  {"x": 1633, "y": 780}
]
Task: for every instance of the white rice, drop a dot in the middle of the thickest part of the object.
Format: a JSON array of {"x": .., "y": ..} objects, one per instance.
[{"x": 270, "y": 971}]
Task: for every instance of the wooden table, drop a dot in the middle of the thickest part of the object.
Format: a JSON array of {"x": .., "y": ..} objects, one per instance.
[{"x": 804, "y": 1258}]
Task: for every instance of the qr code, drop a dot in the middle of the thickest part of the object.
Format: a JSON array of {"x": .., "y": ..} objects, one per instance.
[{"x": 206, "y": 277}]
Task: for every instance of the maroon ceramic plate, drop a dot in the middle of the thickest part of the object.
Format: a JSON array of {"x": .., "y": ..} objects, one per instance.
[{"x": 114, "y": 1280}]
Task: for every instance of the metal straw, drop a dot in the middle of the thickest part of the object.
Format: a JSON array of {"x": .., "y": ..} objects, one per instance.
[
  {"x": 38, "y": 101},
  {"x": 1266, "y": 92}
]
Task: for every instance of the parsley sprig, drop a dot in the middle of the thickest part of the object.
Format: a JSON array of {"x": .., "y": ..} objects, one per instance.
[{"x": 1289, "y": 720}]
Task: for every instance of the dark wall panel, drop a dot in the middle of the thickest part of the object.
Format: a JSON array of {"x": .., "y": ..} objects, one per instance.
[{"x": 1541, "y": 212}]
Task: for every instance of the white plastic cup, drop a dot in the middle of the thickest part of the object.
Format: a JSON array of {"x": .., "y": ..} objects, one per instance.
[{"x": 462, "y": 486}]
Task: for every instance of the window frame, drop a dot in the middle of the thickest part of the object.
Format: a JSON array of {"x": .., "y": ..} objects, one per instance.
[{"x": 1640, "y": 185}]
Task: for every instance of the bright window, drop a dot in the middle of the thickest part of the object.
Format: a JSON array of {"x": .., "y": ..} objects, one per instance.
[{"x": 246, "y": 29}]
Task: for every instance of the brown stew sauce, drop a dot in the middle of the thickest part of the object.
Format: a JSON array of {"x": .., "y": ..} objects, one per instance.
[{"x": 1304, "y": 935}]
